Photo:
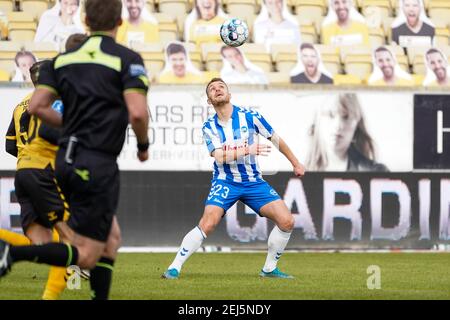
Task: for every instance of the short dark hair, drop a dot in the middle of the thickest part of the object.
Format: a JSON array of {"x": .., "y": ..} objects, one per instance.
[
  {"x": 75, "y": 40},
  {"x": 434, "y": 50},
  {"x": 215, "y": 80},
  {"x": 306, "y": 45},
  {"x": 103, "y": 15},
  {"x": 34, "y": 71},
  {"x": 381, "y": 49},
  {"x": 23, "y": 53},
  {"x": 175, "y": 48},
  {"x": 222, "y": 50}
]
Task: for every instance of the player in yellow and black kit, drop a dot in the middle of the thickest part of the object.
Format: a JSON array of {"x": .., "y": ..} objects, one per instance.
[{"x": 35, "y": 145}]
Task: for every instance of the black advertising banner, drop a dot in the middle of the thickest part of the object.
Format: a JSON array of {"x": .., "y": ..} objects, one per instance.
[
  {"x": 331, "y": 210},
  {"x": 432, "y": 132}
]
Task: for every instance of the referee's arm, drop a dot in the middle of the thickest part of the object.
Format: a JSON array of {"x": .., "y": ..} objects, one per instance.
[
  {"x": 41, "y": 106},
  {"x": 139, "y": 118}
]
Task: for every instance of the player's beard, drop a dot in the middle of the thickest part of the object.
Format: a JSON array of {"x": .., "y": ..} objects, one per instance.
[{"x": 221, "y": 101}]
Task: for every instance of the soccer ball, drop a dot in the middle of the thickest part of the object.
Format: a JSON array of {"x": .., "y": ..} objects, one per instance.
[{"x": 234, "y": 32}]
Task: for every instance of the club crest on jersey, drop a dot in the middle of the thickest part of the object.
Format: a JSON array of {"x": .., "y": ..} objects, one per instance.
[
  {"x": 244, "y": 129},
  {"x": 137, "y": 70}
]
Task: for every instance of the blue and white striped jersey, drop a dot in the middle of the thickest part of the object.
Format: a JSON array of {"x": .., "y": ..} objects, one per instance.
[{"x": 242, "y": 129}]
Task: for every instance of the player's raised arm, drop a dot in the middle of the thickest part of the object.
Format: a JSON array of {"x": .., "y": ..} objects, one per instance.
[{"x": 280, "y": 144}]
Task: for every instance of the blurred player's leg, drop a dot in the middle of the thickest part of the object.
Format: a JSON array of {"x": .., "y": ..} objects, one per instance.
[
  {"x": 101, "y": 275},
  {"x": 56, "y": 282},
  {"x": 194, "y": 239},
  {"x": 278, "y": 238},
  {"x": 16, "y": 239}
]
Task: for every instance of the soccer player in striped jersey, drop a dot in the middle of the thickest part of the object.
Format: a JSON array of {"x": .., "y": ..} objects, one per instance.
[{"x": 231, "y": 136}]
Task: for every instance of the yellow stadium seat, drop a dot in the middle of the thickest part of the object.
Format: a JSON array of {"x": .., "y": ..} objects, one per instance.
[
  {"x": 376, "y": 37},
  {"x": 4, "y": 75},
  {"x": 195, "y": 55},
  {"x": 284, "y": 56},
  {"x": 35, "y": 7},
  {"x": 418, "y": 79},
  {"x": 441, "y": 37},
  {"x": 150, "y": 4},
  {"x": 175, "y": 8},
  {"x": 6, "y": 6},
  {"x": 168, "y": 29},
  {"x": 310, "y": 8},
  {"x": 357, "y": 60},
  {"x": 330, "y": 58},
  {"x": 278, "y": 78},
  {"x": 211, "y": 56},
  {"x": 346, "y": 79},
  {"x": 211, "y": 74},
  {"x": 258, "y": 55},
  {"x": 241, "y": 8},
  {"x": 383, "y": 7},
  {"x": 21, "y": 26},
  {"x": 42, "y": 50},
  {"x": 153, "y": 56},
  {"x": 418, "y": 65},
  {"x": 308, "y": 30},
  {"x": 386, "y": 24},
  {"x": 439, "y": 9}
]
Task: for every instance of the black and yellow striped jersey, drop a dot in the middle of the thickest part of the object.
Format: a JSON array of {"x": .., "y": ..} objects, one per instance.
[{"x": 32, "y": 142}]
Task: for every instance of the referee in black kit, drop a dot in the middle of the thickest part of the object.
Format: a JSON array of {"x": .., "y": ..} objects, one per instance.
[{"x": 102, "y": 85}]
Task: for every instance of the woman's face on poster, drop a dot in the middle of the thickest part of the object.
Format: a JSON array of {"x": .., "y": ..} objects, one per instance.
[{"x": 336, "y": 127}]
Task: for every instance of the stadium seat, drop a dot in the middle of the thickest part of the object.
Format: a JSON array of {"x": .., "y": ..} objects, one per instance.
[
  {"x": 6, "y": 6},
  {"x": 257, "y": 54},
  {"x": 310, "y": 8},
  {"x": 168, "y": 29},
  {"x": 21, "y": 26},
  {"x": 442, "y": 36},
  {"x": 377, "y": 37},
  {"x": 153, "y": 56},
  {"x": 241, "y": 8},
  {"x": 357, "y": 60},
  {"x": 278, "y": 78},
  {"x": 439, "y": 9},
  {"x": 42, "y": 50},
  {"x": 383, "y": 7},
  {"x": 386, "y": 24},
  {"x": 211, "y": 56},
  {"x": 330, "y": 58},
  {"x": 284, "y": 56},
  {"x": 195, "y": 55},
  {"x": 34, "y": 7},
  {"x": 307, "y": 30},
  {"x": 418, "y": 79},
  {"x": 8, "y": 51},
  {"x": 176, "y": 9},
  {"x": 150, "y": 4},
  {"x": 346, "y": 79},
  {"x": 4, "y": 75}
]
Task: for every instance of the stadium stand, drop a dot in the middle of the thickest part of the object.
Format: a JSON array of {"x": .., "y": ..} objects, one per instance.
[{"x": 348, "y": 65}]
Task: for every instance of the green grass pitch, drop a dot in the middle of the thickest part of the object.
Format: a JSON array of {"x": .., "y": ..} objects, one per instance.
[{"x": 234, "y": 276}]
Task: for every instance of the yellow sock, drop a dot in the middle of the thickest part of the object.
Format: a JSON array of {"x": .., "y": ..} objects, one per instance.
[
  {"x": 16, "y": 239},
  {"x": 56, "y": 283}
]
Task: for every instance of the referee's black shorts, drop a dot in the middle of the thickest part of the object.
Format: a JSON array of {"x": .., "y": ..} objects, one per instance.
[
  {"x": 91, "y": 186},
  {"x": 39, "y": 198}
]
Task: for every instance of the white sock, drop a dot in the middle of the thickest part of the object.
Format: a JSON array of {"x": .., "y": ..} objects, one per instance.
[
  {"x": 277, "y": 242},
  {"x": 191, "y": 242}
]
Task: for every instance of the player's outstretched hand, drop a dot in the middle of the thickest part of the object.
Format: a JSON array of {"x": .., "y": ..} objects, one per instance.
[
  {"x": 142, "y": 156},
  {"x": 259, "y": 149},
  {"x": 299, "y": 170}
]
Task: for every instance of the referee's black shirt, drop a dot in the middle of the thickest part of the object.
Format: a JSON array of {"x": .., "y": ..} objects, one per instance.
[{"x": 91, "y": 80}]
